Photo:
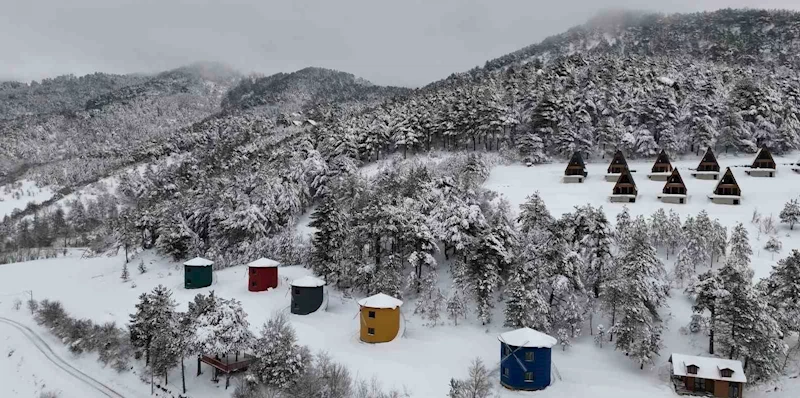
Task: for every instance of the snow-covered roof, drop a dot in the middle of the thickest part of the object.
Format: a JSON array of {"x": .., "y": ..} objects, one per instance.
[
  {"x": 380, "y": 300},
  {"x": 707, "y": 367},
  {"x": 527, "y": 337},
  {"x": 199, "y": 262},
  {"x": 665, "y": 80},
  {"x": 263, "y": 263},
  {"x": 308, "y": 281}
]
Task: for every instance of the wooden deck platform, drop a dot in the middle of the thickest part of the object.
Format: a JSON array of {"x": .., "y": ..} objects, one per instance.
[{"x": 227, "y": 365}]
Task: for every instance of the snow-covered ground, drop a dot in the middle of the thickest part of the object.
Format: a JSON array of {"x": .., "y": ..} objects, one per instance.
[
  {"x": 12, "y": 198},
  {"x": 425, "y": 359}
]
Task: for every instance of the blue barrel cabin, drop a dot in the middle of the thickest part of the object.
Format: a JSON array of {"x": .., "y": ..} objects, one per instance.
[{"x": 525, "y": 359}]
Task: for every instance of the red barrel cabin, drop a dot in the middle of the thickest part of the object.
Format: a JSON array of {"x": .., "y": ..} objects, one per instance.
[{"x": 263, "y": 275}]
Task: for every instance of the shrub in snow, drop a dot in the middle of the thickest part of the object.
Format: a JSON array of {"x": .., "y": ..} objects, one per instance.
[
  {"x": 279, "y": 359},
  {"x": 564, "y": 338},
  {"x": 17, "y": 304},
  {"x": 696, "y": 324},
  {"x": 33, "y": 305},
  {"x": 773, "y": 245},
  {"x": 456, "y": 308},
  {"x": 600, "y": 335},
  {"x": 142, "y": 268},
  {"x": 126, "y": 276},
  {"x": 477, "y": 385}
]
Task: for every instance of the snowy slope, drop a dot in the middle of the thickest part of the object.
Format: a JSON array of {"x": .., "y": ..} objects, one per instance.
[{"x": 27, "y": 191}]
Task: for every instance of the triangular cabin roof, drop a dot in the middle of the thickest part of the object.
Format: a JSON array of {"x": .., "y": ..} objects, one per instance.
[
  {"x": 618, "y": 159},
  {"x": 709, "y": 157},
  {"x": 661, "y": 159},
  {"x": 199, "y": 262},
  {"x": 577, "y": 160},
  {"x": 674, "y": 179},
  {"x": 727, "y": 179},
  {"x": 763, "y": 154},
  {"x": 625, "y": 178}
]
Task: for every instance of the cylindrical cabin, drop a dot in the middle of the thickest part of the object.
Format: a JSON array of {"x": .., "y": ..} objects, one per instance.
[
  {"x": 380, "y": 318},
  {"x": 263, "y": 275},
  {"x": 525, "y": 359},
  {"x": 198, "y": 273},
  {"x": 307, "y": 295}
]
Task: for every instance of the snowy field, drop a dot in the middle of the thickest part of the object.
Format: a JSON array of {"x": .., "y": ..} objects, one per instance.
[
  {"x": 12, "y": 198},
  {"x": 424, "y": 360}
]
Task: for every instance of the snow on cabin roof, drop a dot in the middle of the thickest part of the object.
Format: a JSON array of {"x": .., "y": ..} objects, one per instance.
[
  {"x": 380, "y": 300},
  {"x": 308, "y": 281},
  {"x": 263, "y": 263},
  {"x": 707, "y": 367},
  {"x": 297, "y": 122},
  {"x": 199, "y": 262},
  {"x": 527, "y": 337}
]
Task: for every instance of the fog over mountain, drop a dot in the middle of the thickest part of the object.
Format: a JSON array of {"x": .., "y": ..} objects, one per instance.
[{"x": 408, "y": 43}]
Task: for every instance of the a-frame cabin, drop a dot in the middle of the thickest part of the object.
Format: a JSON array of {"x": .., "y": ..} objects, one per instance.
[
  {"x": 708, "y": 169},
  {"x": 727, "y": 191},
  {"x": 625, "y": 189},
  {"x": 576, "y": 169},
  {"x": 618, "y": 164},
  {"x": 662, "y": 169},
  {"x": 674, "y": 190},
  {"x": 763, "y": 165}
]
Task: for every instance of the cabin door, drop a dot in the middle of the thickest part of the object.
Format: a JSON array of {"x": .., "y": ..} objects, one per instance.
[{"x": 733, "y": 390}]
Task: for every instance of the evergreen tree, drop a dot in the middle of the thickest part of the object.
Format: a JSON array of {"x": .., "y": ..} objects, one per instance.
[
  {"x": 431, "y": 301},
  {"x": 534, "y": 215},
  {"x": 707, "y": 290},
  {"x": 739, "y": 250},
  {"x": 455, "y": 307},
  {"x": 280, "y": 360},
  {"x": 790, "y": 213},
  {"x": 673, "y": 230},
  {"x": 328, "y": 239},
  {"x": 126, "y": 276},
  {"x": 783, "y": 291}
]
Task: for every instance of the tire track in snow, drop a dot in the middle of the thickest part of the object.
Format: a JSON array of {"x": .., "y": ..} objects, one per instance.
[{"x": 45, "y": 349}]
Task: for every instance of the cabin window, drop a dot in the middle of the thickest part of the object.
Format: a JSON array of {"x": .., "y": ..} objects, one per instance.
[
  {"x": 529, "y": 356},
  {"x": 253, "y": 284},
  {"x": 296, "y": 291},
  {"x": 691, "y": 369},
  {"x": 726, "y": 372},
  {"x": 529, "y": 377},
  {"x": 506, "y": 351},
  {"x": 736, "y": 201},
  {"x": 253, "y": 271},
  {"x": 371, "y": 331},
  {"x": 505, "y": 372},
  {"x": 371, "y": 314},
  {"x": 699, "y": 384}
]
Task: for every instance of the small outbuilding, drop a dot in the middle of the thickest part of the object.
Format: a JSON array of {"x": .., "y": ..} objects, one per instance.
[
  {"x": 708, "y": 169},
  {"x": 308, "y": 295},
  {"x": 618, "y": 164},
  {"x": 625, "y": 189},
  {"x": 263, "y": 275},
  {"x": 727, "y": 191},
  {"x": 576, "y": 169},
  {"x": 525, "y": 359},
  {"x": 674, "y": 190},
  {"x": 198, "y": 273},
  {"x": 662, "y": 169},
  {"x": 764, "y": 165},
  {"x": 705, "y": 376},
  {"x": 380, "y": 318}
]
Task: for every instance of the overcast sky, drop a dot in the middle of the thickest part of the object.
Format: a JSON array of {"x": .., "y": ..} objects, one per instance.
[{"x": 399, "y": 42}]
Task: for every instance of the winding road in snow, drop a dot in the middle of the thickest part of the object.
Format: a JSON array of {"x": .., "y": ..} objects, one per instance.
[{"x": 45, "y": 349}]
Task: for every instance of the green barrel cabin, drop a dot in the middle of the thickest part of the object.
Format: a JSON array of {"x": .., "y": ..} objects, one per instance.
[{"x": 198, "y": 273}]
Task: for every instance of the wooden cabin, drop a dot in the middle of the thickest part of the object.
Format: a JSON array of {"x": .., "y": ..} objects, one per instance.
[
  {"x": 618, "y": 164},
  {"x": 674, "y": 190},
  {"x": 763, "y": 165},
  {"x": 662, "y": 169},
  {"x": 727, "y": 191},
  {"x": 625, "y": 189},
  {"x": 705, "y": 376},
  {"x": 525, "y": 359},
  {"x": 576, "y": 169},
  {"x": 708, "y": 169}
]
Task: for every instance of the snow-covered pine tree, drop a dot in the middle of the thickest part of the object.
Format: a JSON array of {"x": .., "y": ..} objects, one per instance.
[
  {"x": 280, "y": 360},
  {"x": 431, "y": 301},
  {"x": 455, "y": 306},
  {"x": 739, "y": 250},
  {"x": 142, "y": 267},
  {"x": 703, "y": 234},
  {"x": 533, "y": 214},
  {"x": 658, "y": 228},
  {"x": 525, "y": 306},
  {"x": 600, "y": 335},
  {"x": 222, "y": 329},
  {"x": 718, "y": 240},
  {"x": 783, "y": 289},
  {"x": 596, "y": 251},
  {"x": 640, "y": 290},
  {"x": 707, "y": 289},
  {"x": 673, "y": 232},
  {"x": 790, "y": 213},
  {"x": 622, "y": 229},
  {"x": 126, "y": 275},
  {"x": 696, "y": 242},
  {"x": 327, "y": 241}
]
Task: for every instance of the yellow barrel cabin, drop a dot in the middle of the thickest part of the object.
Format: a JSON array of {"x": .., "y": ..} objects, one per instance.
[{"x": 381, "y": 320}]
